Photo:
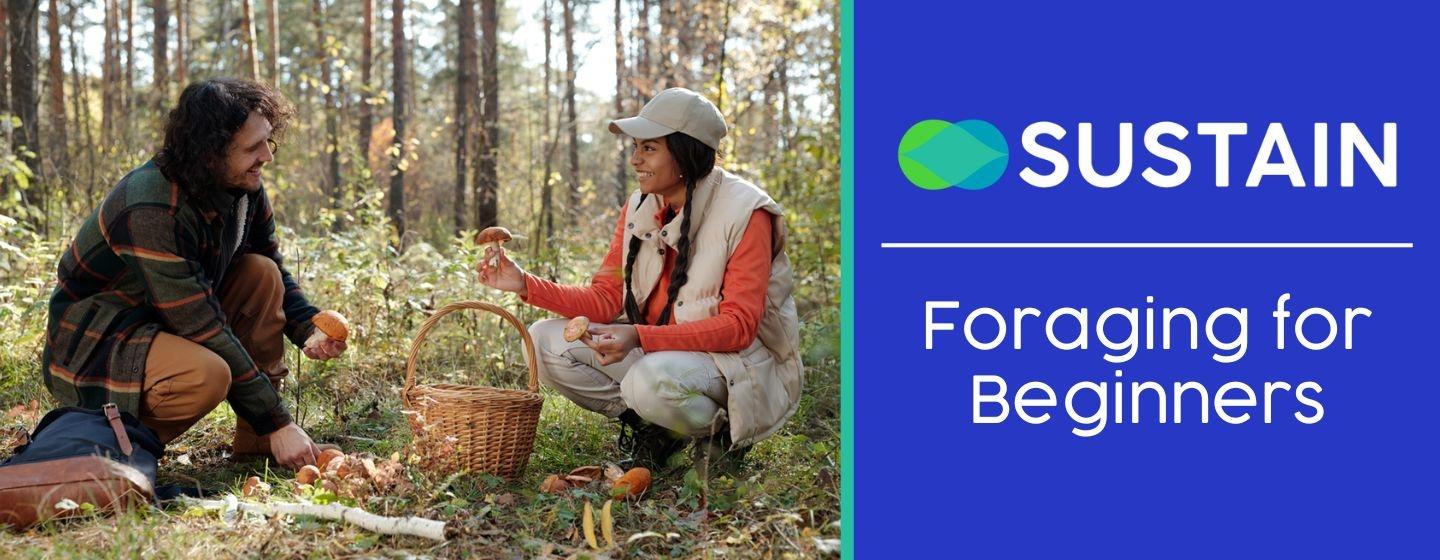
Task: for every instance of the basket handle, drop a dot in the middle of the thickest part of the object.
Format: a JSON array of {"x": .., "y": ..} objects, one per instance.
[{"x": 534, "y": 381}]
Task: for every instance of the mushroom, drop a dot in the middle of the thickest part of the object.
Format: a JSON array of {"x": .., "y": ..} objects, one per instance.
[
  {"x": 327, "y": 456},
  {"x": 308, "y": 474},
  {"x": 253, "y": 486},
  {"x": 333, "y": 324},
  {"x": 496, "y": 237},
  {"x": 632, "y": 484},
  {"x": 577, "y": 329}
]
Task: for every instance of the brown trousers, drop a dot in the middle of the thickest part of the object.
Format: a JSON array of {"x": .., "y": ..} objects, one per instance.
[{"x": 184, "y": 381}]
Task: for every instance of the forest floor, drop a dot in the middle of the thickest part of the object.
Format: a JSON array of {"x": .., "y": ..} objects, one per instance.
[{"x": 784, "y": 503}]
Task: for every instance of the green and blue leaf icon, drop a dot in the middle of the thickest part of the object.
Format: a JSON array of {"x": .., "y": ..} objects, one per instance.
[{"x": 970, "y": 154}]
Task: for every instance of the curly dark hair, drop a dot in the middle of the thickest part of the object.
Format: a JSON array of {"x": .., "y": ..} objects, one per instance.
[{"x": 204, "y": 120}]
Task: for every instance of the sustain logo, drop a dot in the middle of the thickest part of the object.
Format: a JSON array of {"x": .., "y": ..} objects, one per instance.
[
  {"x": 970, "y": 154},
  {"x": 973, "y": 154}
]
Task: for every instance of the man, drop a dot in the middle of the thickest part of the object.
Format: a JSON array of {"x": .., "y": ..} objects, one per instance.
[{"x": 172, "y": 297}]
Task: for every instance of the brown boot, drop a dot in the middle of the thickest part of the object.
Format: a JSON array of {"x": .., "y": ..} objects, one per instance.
[{"x": 246, "y": 443}]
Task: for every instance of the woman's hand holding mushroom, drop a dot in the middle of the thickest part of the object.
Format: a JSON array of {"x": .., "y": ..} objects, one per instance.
[
  {"x": 496, "y": 270},
  {"x": 613, "y": 342}
]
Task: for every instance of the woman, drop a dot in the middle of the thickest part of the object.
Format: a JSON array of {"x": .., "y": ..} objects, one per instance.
[{"x": 694, "y": 332}]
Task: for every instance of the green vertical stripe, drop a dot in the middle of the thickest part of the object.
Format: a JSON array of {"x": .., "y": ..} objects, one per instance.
[{"x": 847, "y": 278}]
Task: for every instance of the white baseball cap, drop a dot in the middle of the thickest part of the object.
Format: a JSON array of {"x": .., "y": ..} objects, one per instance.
[{"x": 675, "y": 110}]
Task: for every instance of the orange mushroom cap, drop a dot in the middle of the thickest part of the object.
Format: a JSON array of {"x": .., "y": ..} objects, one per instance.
[{"x": 333, "y": 324}]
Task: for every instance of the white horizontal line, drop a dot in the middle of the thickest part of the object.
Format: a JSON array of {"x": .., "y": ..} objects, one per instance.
[{"x": 1147, "y": 245}]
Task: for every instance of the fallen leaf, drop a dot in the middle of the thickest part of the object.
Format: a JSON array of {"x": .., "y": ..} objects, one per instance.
[
  {"x": 554, "y": 485},
  {"x": 578, "y": 481},
  {"x": 348, "y": 466},
  {"x": 589, "y": 526},
  {"x": 607, "y": 523},
  {"x": 591, "y": 472},
  {"x": 643, "y": 535}
]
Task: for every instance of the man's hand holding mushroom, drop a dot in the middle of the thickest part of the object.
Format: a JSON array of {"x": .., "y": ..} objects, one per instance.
[
  {"x": 328, "y": 340},
  {"x": 495, "y": 268}
]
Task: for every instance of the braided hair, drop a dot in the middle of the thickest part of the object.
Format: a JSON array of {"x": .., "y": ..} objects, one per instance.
[{"x": 695, "y": 160}]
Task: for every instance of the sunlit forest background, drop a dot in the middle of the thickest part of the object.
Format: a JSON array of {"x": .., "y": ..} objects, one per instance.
[{"x": 420, "y": 122}]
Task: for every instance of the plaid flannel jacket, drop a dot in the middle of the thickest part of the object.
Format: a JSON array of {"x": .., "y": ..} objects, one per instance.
[{"x": 152, "y": 259}]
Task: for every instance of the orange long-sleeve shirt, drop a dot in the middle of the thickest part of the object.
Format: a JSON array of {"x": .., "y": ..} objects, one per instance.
[{"x": 747, "y": 277}]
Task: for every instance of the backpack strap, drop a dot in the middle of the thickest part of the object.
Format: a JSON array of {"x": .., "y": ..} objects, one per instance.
[{"x": 112, "y": 413}]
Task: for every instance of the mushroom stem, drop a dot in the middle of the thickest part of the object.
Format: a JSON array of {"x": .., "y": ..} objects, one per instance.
[{"x": 495, "y": 257}]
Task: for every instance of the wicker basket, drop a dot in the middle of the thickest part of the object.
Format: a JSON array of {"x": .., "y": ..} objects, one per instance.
[{"x": 494, "y": 428}]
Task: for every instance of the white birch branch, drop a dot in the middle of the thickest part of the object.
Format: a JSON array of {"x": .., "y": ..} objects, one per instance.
[{"x": 414, "y": 526}]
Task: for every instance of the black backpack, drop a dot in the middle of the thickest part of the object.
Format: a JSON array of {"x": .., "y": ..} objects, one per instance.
[{"x": 105, "y": 458}]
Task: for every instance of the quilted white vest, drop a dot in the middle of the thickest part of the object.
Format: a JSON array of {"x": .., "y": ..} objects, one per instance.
[{"x": 765, "y": 380}]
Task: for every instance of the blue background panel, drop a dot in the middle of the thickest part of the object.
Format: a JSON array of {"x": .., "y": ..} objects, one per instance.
[{"x": 1362, "y": 481}]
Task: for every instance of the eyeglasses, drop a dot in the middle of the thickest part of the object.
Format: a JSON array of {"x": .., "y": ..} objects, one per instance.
[{"x": 274, "y": 145}]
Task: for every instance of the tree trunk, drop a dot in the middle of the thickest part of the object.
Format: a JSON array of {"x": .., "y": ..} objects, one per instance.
[
  {"x": 24, "y": 27},
  {"x": 110, "y": 75},
  {"x": 79, "y": 98},
  {"x": 646, "y": 69},
  {"x": 784, "y": 124},
  {"x": 129, "y": 91},
  {"x": 547, "y": 208},
  {"x": 367, "y": 55},
  {"x": 570, "y": 126},
  {"x": 619, "y": 103},
  {"x": 160, "y": 47},
  {"x": 834, "y": 89},
  {"x": 273, "y": 42},
  {"x": 55, "y": 82},
  {"x": 4, "y": 57},
  {"x": 402, "y": 73},
  {"x": 466, "y": 62},
  {"x": 182, "y": 43},
  {"x": 720, "y": 99},
  {"x": 487, "y": 208},
  {"x": 220, "y": 61},
  {"x": 665, "y": 43},
  {"x": 684, "y": 35},
  {"x": 247, "y": 36},
  {"x": 332, "y": 140},
  {"x": 783, "y": 127}
]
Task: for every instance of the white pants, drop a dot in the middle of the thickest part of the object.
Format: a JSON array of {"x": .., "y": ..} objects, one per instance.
[{"x": 682, "y": 391}]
